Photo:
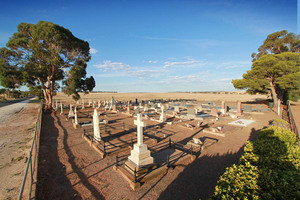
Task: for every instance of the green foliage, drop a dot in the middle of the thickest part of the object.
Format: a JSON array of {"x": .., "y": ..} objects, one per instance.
[
  {"x": 268, "y": 169},
  {"x": 45, "y": 53},
  {"x": 10, "y": 73},
  {"x": 275, "y": 68},
  {"x": 280, "y": 123}
]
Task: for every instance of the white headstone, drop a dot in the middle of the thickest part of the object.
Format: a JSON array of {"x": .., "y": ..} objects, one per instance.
[
  {"x": 97, "y": 135},
  {"x": 163, "y": 116},
  {"x": 140, "y": 155},
  {"x": 71, "y": 113},
  {"x": 61, "y": 108},
  {"x": 76, "y": 120},
  {"x": 176, "y": 109}
]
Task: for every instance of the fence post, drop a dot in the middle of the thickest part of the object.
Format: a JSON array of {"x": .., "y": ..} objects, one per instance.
[
  {"x": 131, "y": 142},
  {"x": 117, "y": 160},
  {"x": 170, "y": 143},
  {"x": 134, "y": 175},
  {"x": 104, "y": 147},
  {"x": 168, "y": 160}
]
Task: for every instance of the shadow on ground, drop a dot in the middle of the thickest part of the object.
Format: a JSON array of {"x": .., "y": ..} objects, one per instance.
[
  {"x": 52, "y": 180},
  {"x": 198, "y": 179}
]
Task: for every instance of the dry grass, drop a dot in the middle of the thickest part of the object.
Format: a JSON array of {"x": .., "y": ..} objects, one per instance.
[{"x": 217, "y": 96}]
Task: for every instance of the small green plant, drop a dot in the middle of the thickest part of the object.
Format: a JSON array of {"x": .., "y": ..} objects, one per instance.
[
  {"x": 19, "y": 158},
  {"x": 16, "y": 174}
]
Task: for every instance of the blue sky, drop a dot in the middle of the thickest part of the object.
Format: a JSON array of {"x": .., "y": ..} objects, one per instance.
[{"x": 161, "y": 46}]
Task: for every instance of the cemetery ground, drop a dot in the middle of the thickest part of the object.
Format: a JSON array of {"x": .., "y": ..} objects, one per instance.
[
  {"x": 69, "y": 168},
  {"x": 17, "y": 126}
]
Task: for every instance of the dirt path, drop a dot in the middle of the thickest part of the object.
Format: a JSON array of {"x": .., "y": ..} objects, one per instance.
[
  {"x": 71, "y": 169},
  {"x": 295, "y": 106},
  {"x": 17, "y": 124}
]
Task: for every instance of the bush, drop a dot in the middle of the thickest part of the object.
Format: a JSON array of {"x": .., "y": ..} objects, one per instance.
[
  {"x": 280, "y": 123},
  {"x": 268, "y": 169}
]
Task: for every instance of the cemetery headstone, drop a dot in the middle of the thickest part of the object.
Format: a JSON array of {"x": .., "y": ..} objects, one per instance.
[
  {"x": 97, "y": 135},
  {"x": 140, "y": 155},
  {"x": 71, "y": 113}
]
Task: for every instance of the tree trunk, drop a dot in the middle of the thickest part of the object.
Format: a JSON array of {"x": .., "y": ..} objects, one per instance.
[
  {"x": 274, "y": 94},
  {"x": 48, "y": 98}
]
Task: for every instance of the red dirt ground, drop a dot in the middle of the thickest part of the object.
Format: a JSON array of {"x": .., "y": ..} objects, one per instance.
[{"x": 70, "y": 169}]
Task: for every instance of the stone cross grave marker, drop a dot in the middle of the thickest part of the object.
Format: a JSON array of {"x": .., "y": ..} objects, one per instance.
[
  {"x": 140, "y": 155},
  {"x": 140, "y": 124}
]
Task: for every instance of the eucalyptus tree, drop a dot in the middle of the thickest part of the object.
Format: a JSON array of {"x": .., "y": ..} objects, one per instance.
[
  {"x": 275, "y": 68},
  {"x": 46, "y": 53}
]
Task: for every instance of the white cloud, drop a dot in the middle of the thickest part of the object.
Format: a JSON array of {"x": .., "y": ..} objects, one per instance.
[
  {"x": 185, "y": 63},
  {"x": 152, "y": 61},
  {"x": 147, "y": 73},
  {"x": 115, "y": 66},
  {"x": 236, "y": 64},
  {"x": 93, "y": 51}
]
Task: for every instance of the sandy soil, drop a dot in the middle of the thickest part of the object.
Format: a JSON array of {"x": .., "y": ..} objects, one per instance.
[
  {"x": 141, "y": 96},
  {"x": 70, "y": 169},
  {"x": 17, "y": 126}
]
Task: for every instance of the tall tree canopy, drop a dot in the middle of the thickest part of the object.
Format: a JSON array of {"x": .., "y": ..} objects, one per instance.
[
  {"x": 275, "y": 68},
  {"x": 46, "y": 53}
]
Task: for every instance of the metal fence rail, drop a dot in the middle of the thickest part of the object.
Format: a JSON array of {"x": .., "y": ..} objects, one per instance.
[
  {"x": 31, "y": 167},
  {"x": 292, "y": 122}
]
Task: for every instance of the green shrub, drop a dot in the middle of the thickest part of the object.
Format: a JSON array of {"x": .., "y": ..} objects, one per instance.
[
  {"x": 268, "y": 169},
  {"x": 280, "y": 123}
]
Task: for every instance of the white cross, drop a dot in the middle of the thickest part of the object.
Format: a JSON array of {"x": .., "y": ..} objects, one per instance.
[{"x": 140, "y": 124}]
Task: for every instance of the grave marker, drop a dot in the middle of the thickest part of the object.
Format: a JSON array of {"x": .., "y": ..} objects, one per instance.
[
  {"x": 61, "y": 108},
  {"x": 140, "y": 155},
  {"x": 163, "y": 116},
  {"x": 71, "y": 113},
  {"x": 97, "y": 135}
]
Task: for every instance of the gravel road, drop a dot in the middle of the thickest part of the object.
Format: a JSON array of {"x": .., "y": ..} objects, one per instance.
[{"x": 7, "y": 111}]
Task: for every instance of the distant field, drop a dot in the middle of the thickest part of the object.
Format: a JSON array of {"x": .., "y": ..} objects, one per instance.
[{"x": 216, "y": 96}]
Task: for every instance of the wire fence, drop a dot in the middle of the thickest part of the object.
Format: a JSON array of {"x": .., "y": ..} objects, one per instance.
[
  {"x": 292, "y": 121},
  {"x": 30, "y": 176}
]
